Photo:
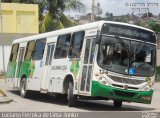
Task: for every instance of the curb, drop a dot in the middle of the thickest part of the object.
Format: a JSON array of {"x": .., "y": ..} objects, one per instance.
[
  {"x": 4, "y": 98},
  {"x": 2, "y": 93}
]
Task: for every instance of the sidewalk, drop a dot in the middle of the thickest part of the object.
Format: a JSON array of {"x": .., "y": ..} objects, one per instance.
[{"x": 4, "y": 98}]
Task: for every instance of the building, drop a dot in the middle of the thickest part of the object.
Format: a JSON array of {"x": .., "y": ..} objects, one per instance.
[{"x": 16, "y": 21}]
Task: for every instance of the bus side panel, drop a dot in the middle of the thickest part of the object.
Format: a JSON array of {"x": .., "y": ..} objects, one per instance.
[
  {"x": 33, "y": 84},
  {"x": 35, "y": 74}
]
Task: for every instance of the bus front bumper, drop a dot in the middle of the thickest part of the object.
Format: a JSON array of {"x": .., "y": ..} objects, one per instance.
[{"x": 99, "y": 90}]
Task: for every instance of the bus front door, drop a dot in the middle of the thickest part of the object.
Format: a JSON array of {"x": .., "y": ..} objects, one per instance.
[
  {"x": 47, "y": 67},
  {"x": 87, "y": 66}
]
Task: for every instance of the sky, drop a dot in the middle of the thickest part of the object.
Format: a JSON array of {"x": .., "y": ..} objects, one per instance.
[{"x": 119, "y": 7}]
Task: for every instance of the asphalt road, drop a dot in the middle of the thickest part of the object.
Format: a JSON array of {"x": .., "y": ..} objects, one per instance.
[{"x": 45, "y": 103}]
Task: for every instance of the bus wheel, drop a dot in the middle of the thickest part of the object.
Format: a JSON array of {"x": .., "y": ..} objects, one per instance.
[
  {"x": 23, "y": 91},
  {"x": 117, "y": 104},
  {"x": 71, "y": 98}
]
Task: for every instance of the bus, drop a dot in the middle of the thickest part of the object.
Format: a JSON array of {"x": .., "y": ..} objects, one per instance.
[{"x": 100, "y": 60}]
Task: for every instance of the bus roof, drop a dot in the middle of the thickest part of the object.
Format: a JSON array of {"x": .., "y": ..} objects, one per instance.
[{"x": 77, "y": 28}]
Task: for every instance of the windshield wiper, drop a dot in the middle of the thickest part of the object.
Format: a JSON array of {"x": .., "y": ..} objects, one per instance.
[
  {"x": 140, "y": 47},
  {"x": 132, "y": 58}
]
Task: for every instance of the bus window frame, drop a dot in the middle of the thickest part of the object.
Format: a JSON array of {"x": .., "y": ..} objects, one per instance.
[
  {"x": 57, "y": 46},
  {"x": 27, "y": 50},
  {"x": 70, "y": 55},
  {"x": 44, "y": 40}
]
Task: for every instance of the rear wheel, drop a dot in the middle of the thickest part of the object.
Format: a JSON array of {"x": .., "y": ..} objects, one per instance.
[
  {"x": 23, "y": 89},
  {"x": 71, "y": 97},
  {"x": 117, "y": 104}
]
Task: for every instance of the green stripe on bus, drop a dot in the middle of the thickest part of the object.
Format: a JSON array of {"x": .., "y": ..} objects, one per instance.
[
  {"x": 27, "y": 68},
  {"x": 11, "y": 70},
  {"x": 99, "y": 90}
]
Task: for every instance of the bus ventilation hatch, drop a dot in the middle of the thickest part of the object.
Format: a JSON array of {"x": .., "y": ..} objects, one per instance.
[{"x": 124, "y": 94}]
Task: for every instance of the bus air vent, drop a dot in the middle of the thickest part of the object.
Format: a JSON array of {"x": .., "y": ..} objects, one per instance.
[
  {"x": 126, "y": 80},
  {"x": 124, "y": 94}
]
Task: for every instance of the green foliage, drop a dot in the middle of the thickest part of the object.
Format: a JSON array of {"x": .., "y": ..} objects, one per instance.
[
  {"x": 154, "y": 26},
  {"x": 66, "y": 21},
  {"x": 55, "y": 19},
  {"x": 50, "y": 22},
  {"x": 74, "y": 5}
]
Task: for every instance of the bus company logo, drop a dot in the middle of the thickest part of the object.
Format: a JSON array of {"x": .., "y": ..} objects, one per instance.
[
  {"x": 74, "y": 68},
  {"x": 149, "y": 115}
]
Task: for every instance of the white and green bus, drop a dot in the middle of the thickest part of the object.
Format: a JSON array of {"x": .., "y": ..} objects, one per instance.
[{"x": 99, "y": 60}]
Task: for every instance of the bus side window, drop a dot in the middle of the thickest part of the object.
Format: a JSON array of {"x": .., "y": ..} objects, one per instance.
[
  {"x": 76, "y": 44},
  {"x": 39, "y": 49},
  {"x": 29, "y": 51},
  {"x": 62, "y": 47},
  {"x": 14, "y": 52}
]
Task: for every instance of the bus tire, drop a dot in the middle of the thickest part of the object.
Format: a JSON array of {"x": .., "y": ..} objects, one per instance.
[
  {"x": 23, "y": 90},
  {"x": 71, "y": 97},
  {"x": 117, "y": 104}
]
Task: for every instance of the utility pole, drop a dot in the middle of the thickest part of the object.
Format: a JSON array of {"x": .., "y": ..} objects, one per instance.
[
  {"x": 3, "y": 55},
  {"x": 93, "y": 8}
]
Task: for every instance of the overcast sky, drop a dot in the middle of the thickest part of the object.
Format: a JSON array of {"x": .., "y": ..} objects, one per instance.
[{"x": 118, "y": 7}]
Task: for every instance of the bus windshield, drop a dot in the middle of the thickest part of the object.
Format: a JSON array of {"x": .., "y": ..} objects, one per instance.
[{"x": 119, "y": 55}]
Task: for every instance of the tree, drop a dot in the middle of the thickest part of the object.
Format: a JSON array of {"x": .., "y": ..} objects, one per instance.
[
  {"x": 55, "y": 19},
  {"x": 154, "y": 26}
]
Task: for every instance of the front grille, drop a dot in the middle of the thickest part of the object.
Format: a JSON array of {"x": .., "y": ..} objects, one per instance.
[
  {"x": 120, "y": 86},
  {"x": 126, "y": 80},
  {"x": 124, "y": 94},
  {"x": 117, "y": 85}
]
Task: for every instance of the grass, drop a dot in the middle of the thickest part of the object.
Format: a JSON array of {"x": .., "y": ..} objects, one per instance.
[{"x": 158, "y": 74}]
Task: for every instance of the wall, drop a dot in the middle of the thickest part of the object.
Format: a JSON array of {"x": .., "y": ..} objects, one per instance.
[
  {"x": 19, "y": 18},
  {"x": 17, "y": 21}
]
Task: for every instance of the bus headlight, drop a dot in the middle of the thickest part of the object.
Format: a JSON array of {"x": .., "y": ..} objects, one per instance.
[
  {"x": 146, "y": 88},
  {"x": 103, "y": 81}
]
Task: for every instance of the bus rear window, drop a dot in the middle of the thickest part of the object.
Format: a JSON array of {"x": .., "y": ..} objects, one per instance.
[{"x": 14, "y": 52}]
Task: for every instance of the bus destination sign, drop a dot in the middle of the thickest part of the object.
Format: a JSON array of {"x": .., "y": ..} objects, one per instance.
[{"x": 129, "y": 32}]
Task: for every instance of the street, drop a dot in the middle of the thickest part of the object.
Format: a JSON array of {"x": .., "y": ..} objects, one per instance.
[{"x": 42, "y": 102}]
